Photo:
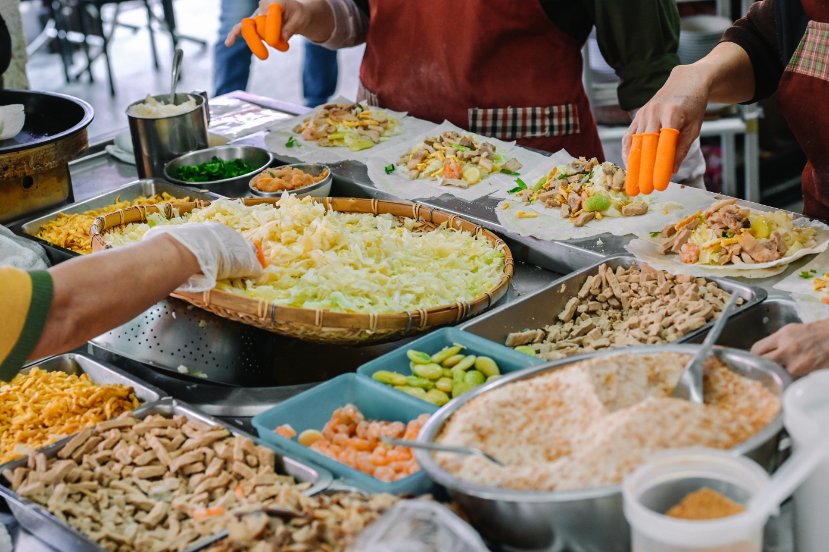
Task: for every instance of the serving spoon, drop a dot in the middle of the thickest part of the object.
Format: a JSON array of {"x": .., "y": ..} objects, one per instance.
[
  {"x": 689, "y": 386},
  {"x": 176, "y": 71},
  {"x": 435, "y": 447}
]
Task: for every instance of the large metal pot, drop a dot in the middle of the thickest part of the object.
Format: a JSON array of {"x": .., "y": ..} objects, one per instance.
[
  {"x": 590, "y": 519},
  {"x": 34, "y": 165}
]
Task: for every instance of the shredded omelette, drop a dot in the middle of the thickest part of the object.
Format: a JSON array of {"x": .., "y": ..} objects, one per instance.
[
  {"x": 71, "y": 231},
  {"x": 38, "y": 408}
]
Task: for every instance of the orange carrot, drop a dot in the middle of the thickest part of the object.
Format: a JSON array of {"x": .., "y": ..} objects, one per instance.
[
  {"x": 204, "y": 513},
  {"x": 649, "y": 143},
  {"x": 273, "y": 29},
  {"x": 451, "y": 169},
  {"x": 665, "y": 156},
  {"x": 261, "y": 256},
  {"x": 825, "y": 300},
  {"x": 634, "y": 162},
  {"x": 252, "y": 38}
]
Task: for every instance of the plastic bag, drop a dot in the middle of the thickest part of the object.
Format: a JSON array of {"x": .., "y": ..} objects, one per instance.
[{"x": 419, "y": 526}]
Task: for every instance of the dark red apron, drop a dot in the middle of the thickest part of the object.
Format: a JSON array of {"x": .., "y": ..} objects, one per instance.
[
  {"x": 803, "y": 96},
  {"x": 501, "y": 69}
]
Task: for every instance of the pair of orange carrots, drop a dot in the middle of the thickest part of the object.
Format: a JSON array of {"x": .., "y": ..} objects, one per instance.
[
  {"x": 651, "y": 161},
  {"x": 267, "y": 28}
]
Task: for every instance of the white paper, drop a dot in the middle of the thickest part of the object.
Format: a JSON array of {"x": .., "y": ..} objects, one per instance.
[
  {"x": 809, "y": 305},
  {"x": 400, "y": 185},
  {"x": 648, "y": 250},
  {"x": 310, "y": 152}
]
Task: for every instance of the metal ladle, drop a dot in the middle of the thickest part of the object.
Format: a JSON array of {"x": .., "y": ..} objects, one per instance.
[
  {"x": 689, "y": 386},
  {"x": 176, "y": 71},
  {"x": 434, "y": 447}
]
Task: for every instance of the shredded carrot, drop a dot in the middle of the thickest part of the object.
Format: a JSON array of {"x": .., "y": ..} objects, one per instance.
[{"x": 260, "y": 254}]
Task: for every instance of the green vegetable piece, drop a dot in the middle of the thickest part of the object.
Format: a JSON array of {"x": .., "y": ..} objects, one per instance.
[
  {"x": 460, "y": 388},
  {"x": 415, "y": 381},
  {"x": 444, "y": 384},
  {"x": 452, "y": 360},
  {"x": 457, "y": 376},
  {"x": 413, "y": 391},
  {"x": 428, "y": 371},
  {"x": 474, "y": 377},
  {"x": 486, "y": 366},
  {"x": 446, "y": 352},
  {"x": 390, "y": 168},
  {"x": 461, "y": 148},
  {"x": 521, "y": 186},
  {"x": 436, "y": 396},
  {"x": 655, "y": 233},
  {"x": 215, "y": 169},
  {"x": 597, "y": 203},
  {"x": 526, "y": 349},
  {"x": 806, "y": 275},
  {"x": 291, "y": 142},
  {"x": 465, "y": 364},
  {"x": 417, "y": 357},
  {"x": 493, "y": 378},
  {"x": 447, "y": 373},
  {"x": 389, "y": 378},
  {"x": 509, "y": 172}
]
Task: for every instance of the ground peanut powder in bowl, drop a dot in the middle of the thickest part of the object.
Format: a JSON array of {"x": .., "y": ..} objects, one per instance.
[
  {"x": 705, "y": 504},
  {"x": 592, "y": 423}
]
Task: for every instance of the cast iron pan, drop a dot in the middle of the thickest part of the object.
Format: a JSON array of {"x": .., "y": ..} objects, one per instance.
[{"x": 49, "y": 117}]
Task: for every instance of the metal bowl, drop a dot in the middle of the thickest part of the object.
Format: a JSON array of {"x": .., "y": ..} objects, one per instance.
[
  {"x": 258, "y": 158},
  {"x": 317, "y": 189},
  {"x": 589, "y": 519}
]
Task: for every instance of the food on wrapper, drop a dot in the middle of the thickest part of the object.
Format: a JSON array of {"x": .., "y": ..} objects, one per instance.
[
  {"x": 354, "y": 441},
  {"x": 626, "y": 307},
  {"x": 820, "y": 283},
  {"x": 71, "y": 231},
  {"x": 347, "y": 262},
  {"x": 727, "y": 234},
  {"x": 285, "y": 178},
  {"x": 583, "y": 190},
  {"x": 160, "y": 483},
  {"x": 356, "y": 126},
  {"x": 38, "y": 408},
  {"x": 443, "y": 376},
  {"x": 456, "y": 159},
  {"x": 215, "y": 169},
  {"x": 12, "y": 119},
  {"x": 151, "y": 108},
  {"x": 594, "y": 422},
  {"x": 705, "y": 504}
]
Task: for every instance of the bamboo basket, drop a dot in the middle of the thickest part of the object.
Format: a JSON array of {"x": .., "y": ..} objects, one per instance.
[{"x": 326, "y": 326}]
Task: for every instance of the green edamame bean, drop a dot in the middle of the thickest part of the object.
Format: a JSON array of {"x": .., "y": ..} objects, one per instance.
[
  {"x": 457, "y": 376},
  {"x": 428, "y": 371},
  {"x": 413, "y": 391},
  {"x": 446, "y": 352},
  {"x": 493, "y": 378},
  {"x": 418, "y": 357},
  {"x": 389, "y": 378},
  {"x": 447, "y": 373},
  {"x": 465, "y": 364},
  {"x": 415, "y": 381},
  {"x": 526, "y": 349},
  {"x": 436, "y": 396},
  {"x": 474, "y": 377},
  {"x": 444, "y": 384},
  {"x": 486, "y": 366},
  {"x": 460, "y": 388},
  {"x": 452, "y": 360}
]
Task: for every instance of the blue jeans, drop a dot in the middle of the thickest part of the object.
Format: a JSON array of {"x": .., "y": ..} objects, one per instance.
[
  {"x": 319, "y": 74},
  {"x": 231, "y": 66}
]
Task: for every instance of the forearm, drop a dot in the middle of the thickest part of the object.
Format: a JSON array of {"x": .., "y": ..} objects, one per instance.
[
  {"x": 350, "y": 25},
  {"x": 727, "y": 72},
  {"x": 95, "y": 293}
]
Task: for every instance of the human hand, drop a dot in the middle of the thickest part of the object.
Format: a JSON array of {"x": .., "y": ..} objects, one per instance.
[
  {"x": 296, "y": 19},
  {"x": 799, "y": 348},
  {"x": 220, "y": 251},
  {"x": 679, "y": 104}
]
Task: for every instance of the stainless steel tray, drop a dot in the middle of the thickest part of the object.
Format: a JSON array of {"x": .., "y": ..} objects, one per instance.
[
  {"x": 62, "y": 536},
  {"x": 539, "y": 309},
  {"x": 147, "y": 187}
]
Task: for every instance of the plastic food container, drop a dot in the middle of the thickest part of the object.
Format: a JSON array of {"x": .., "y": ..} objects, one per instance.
[
  {"x": 313, "y": 408},
  {"x": 507, "y": 359},
  {"x": 669, "y": 477},
  {"x": 807, "y": 402}
]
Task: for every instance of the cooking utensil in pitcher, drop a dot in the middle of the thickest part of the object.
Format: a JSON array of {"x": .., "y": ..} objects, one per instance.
[
  {"x": 435, "y": 447},
  {"x": 176, "y": 71},
  {"x": 689, "y": 386}
]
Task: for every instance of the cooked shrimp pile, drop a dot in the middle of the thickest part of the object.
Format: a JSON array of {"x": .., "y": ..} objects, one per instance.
[
  {"x": 285, "y": 179},
  {"x": 351, "y": 439}
]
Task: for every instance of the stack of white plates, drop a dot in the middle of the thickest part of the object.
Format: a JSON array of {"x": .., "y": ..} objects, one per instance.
[{"x": 698, "y": 36}]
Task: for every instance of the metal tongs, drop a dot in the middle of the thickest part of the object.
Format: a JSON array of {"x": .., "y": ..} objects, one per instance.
[
  {"x": 435, "y": 447},
  {"x": 689, "y": 386}
]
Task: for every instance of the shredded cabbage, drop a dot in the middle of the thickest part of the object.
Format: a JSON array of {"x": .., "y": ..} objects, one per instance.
[{"x": 352, "y": 262}]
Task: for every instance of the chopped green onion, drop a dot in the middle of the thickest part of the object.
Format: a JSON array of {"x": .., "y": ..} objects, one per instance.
[
  {"x": 521, "y": 186},
  {"x": 291, "y": 142},
  {"x": 509, "y": 172},
  {"x": 461, "y": 148},
  {"x": 807, "y": 275},
  {"x": 389, "y": 168},
  {"x": 656, "y": 233}
]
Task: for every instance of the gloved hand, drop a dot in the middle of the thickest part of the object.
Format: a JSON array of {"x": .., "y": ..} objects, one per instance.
[{"x": 220, "y": 251}]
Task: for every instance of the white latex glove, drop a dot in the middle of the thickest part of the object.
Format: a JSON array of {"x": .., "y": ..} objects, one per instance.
[{"x": 220, "y": 251}]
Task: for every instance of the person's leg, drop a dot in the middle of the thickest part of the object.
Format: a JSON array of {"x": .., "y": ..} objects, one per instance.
[
  {"x": 319, "y": 74},
  {"x": 231, "y": 66}
]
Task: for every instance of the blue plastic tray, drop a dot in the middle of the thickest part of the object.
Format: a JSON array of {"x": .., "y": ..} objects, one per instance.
[
  {"x": 508, "y": 360},
  {"x": 313, "y": 408}
]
